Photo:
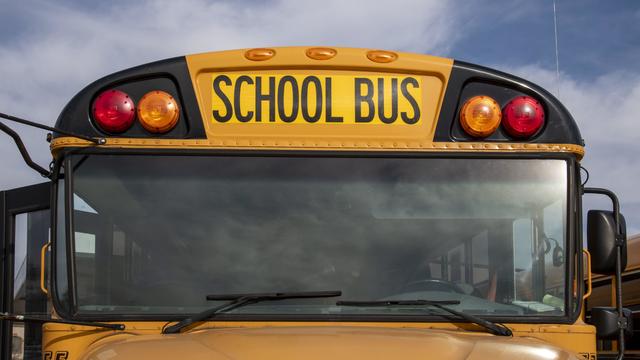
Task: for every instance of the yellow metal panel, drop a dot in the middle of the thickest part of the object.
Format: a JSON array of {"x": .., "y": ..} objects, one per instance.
[
  {"x": 431, "y": 73},
  {"x": 348, "y": 340}
]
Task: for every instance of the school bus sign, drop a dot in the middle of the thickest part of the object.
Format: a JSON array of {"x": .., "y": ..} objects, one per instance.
[{"x": 316, "y": 99}]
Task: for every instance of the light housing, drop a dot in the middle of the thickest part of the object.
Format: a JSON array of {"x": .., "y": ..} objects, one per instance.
[
  {"x": 158, "y": 111},
  {"x": 523, "y": 117},
  {"x": 114, "y": 111},
  {"x": 480, "y": 116}
]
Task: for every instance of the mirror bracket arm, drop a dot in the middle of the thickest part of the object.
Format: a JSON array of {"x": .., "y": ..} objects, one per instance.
[{"x": 620, "y": 240}]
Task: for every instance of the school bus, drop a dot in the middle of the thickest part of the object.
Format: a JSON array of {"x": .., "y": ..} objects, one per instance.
[
  {"x": 308, "y": 202},
  {"x": 604, "y": 295}
]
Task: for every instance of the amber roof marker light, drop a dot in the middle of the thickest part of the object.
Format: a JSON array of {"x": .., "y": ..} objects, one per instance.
[
  {"x": 259, "y": 54},
  {"x": 382, "y": 56},
  {"x": 158, "y": 112},
  {"x": 480, "y": 116},
  {"x": 321, "y": 53}
]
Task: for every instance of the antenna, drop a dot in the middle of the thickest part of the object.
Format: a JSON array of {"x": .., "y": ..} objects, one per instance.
[{"x": 555, "y": 33}]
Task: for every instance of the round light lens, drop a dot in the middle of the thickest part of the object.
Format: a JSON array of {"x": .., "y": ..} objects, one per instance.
[
  {"x": 158, "y": 112},
  {"x": 114, "y": 111},
  {"x": 523, "y": 117},
  {"x": 480, "y": 116}
]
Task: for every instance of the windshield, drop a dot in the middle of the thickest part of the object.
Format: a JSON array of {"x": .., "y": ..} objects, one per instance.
[{"x": 157, "y": 234}]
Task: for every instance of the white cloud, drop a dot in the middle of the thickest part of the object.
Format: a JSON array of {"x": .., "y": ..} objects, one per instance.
[
  {"x": 67, "y": 48},
  {"x": 64, "y": 48}
]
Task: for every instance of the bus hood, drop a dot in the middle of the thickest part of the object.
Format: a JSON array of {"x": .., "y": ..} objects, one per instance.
[{"x": 323, "y": 343}]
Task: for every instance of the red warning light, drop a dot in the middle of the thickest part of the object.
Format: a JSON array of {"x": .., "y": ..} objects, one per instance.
[
  {"x": 523, "y": 117},
  {"x": 114, "y": 111}
]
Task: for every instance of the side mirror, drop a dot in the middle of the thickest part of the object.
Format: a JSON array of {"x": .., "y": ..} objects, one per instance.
[
  {"x": 601, "y": 241},
  {"x": 605, "y": 319},
  {"x": 607, "y": 242}
]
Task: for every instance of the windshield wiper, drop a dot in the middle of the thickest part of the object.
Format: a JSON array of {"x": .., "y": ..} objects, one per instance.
[
  {"x": 42, "y": 320},
  {"x": 496, "y": 329},
  {"x": 239, "y": 300}
]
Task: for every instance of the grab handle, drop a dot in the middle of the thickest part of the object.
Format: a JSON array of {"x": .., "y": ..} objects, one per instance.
[
  {"x": 589, "y": 285},
  {"x": 43, "y": 254}
]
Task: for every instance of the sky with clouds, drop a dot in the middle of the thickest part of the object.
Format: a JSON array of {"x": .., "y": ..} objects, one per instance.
[{"x": 49, "y": 50}]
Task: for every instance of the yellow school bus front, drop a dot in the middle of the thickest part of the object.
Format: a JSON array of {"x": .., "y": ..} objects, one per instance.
[{"x": 308, "y": 117}]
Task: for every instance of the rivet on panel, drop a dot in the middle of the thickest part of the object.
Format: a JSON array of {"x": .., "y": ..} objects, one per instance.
[
  {"x": 382, "y": 56},
  {"x": 320, "y": 53},
  {"x": 260, "y": 54}
]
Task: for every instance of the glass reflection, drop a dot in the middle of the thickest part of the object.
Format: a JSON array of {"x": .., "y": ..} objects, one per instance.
[{"x": 156, "y": 234}]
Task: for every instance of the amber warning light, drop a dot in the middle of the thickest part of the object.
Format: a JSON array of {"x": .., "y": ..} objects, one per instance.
[
  {"x": 480, "y": 116},
  {"x": 158, "y": 112}
]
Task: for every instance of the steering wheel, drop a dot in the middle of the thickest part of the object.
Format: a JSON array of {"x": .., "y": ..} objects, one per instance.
[{"x": 432, "y": 285}]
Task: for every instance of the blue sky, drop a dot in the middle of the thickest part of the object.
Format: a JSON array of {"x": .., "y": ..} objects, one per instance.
[
  {"x": 49, "y": 50},
  {"x": 595, "y": 37}
]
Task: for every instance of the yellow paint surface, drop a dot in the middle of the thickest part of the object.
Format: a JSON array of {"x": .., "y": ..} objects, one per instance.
[
  {"x": 429, "y": 73},
  {"x": 319, "y": 340}
]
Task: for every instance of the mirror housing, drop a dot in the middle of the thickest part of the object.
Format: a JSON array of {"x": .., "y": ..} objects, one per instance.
[
  {"x": 602, "y": 242},
  {"x": 605, "y": 319}
]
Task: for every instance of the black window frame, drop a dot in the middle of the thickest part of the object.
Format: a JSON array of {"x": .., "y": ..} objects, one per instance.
[
  {"x": 573, "y": 234},
  {"x": 13, "y": 202}
]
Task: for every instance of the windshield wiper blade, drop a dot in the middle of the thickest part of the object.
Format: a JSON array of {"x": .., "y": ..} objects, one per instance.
[
  {"x": 496, "y": 329},
  {"x": 397, "y": 302},
  {"x": 239, "y": 300},
  {"x": 42, "y": 320}
]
